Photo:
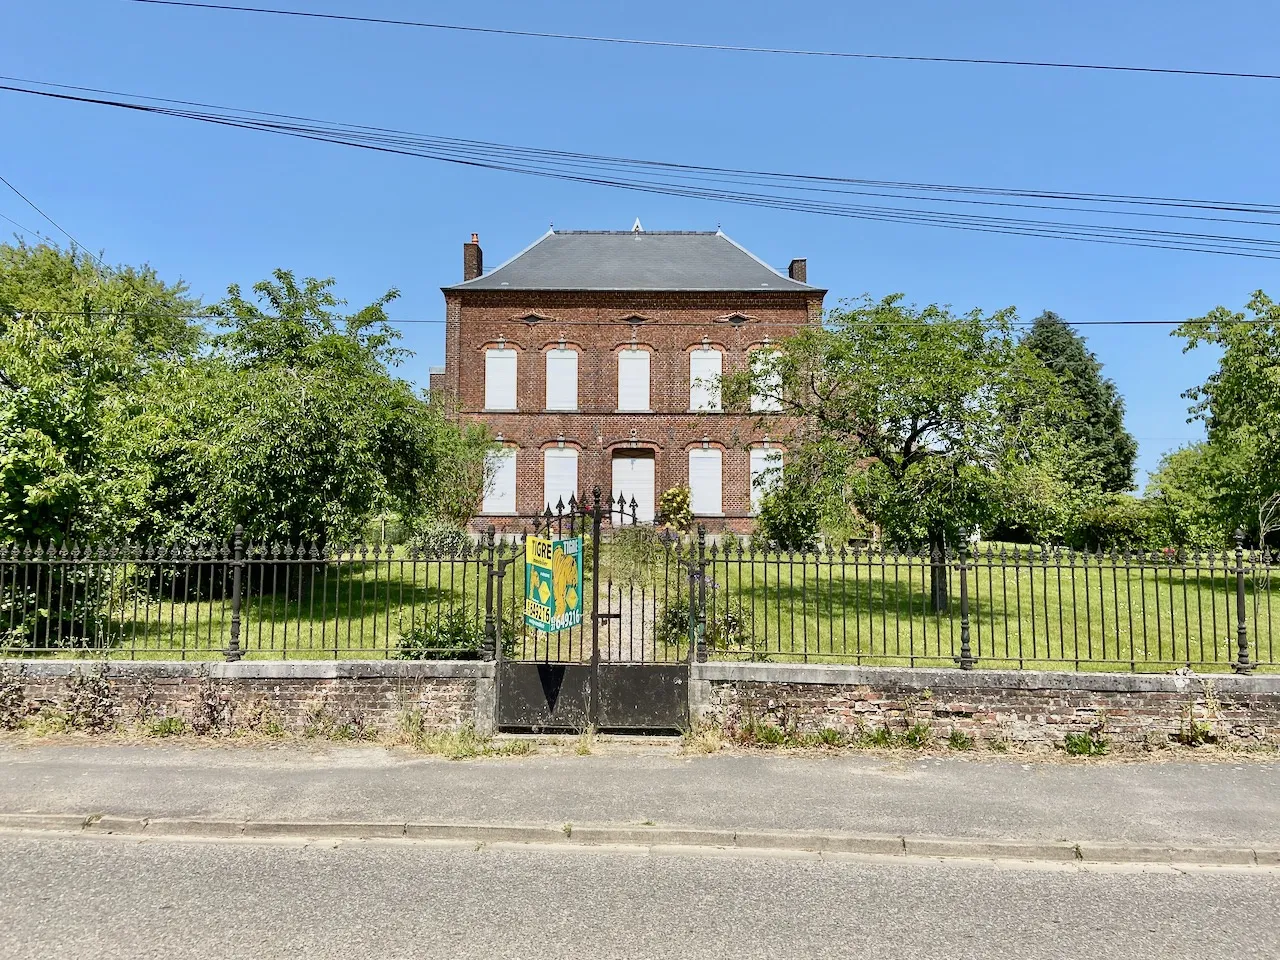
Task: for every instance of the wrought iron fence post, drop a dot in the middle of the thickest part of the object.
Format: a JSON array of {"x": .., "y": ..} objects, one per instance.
[
  {"x": 1242, "y": 664},
  {"x": 700, "y": 627},
  {"x": 490, "y": 650},
  {"x": 237, "y": 564},
  {"x": 966, "y": 660}
]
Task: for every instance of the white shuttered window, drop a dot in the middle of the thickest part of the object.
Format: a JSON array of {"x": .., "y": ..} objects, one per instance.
[
  {"x": 500, "y": 481},
  {"x": 633, "y": 479},
  {"x": 705, "y": 472},
  {"x": 562, "y": 379},
  {"x": 559, "y": 476},
  {"x": 766, "y": 469},
  {"x": 704, "y": 380},
  {"x": 499, "y": 379},
  {"x": 633, "y": 380},
  {"x": 765, "y": 398}
]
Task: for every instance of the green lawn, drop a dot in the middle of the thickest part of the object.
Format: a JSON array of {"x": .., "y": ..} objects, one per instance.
[
  {"x": 1079, "y": 614},
  {"x": 868, "y": 608}
]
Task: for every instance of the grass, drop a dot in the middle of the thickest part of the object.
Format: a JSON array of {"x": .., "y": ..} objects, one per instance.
[{"x": 1086, "y": 614}]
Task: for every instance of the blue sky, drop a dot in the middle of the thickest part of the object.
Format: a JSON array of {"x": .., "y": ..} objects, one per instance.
[{"x": 214, "y": 206}]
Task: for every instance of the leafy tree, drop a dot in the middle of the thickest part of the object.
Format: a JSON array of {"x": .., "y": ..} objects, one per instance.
[
  {"x": 916, "y": 417},
  {"x": 75, "y": 338},
  {"x": 1191, "y": 497},
  {"x": 1096, "y": 424},
  {"x": 1240, "y": 406},
  {"x": 791, "y": 512},
  {"x": 294, "y": 426}
]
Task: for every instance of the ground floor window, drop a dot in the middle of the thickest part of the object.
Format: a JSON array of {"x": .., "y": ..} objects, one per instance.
[
  {"x": 706, "y": 471},
  {"x": 500, "y": 481},
  {"x": 766, "y": 471},
  {"x": 633, "y": 478},
  {"x": 559, "y": 476}
]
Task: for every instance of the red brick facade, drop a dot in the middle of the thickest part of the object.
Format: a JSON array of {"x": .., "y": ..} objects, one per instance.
[{"x": 599, "y": 324}]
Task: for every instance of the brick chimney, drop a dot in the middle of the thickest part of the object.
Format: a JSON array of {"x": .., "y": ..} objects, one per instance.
[
  {"x": 799, "y": 271},
  {"x": 472, "y": 258}
]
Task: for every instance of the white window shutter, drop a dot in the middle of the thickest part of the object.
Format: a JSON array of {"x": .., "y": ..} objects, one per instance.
[
  {"x": 633, "y": 478},
  {"x": 499, "y": 379},
  {"x": 559, "y": 476},
  {"x": 500, "y": 481},
  {"x": 633, "y": 380},
  {"x": 704, "y": 379},
  {"x": 767, "y": 398},
  {"x": 766, "y": 467},
  {"x": 562, "y": 379},
  {"x": 705, "y": 482}
]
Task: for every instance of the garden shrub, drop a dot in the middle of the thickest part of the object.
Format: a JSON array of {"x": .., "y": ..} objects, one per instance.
[
  {"x": 1120, "y": 523},
  {"x": 675, "y": 509},
  {"x": 790, "y": 515},
  {"x": 438, "y": 537},
  {"x": 453, "y": 634},
  {"x": 726, "y": 631}
]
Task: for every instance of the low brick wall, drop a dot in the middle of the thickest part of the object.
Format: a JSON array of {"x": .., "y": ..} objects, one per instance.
[
  {"x": 347, "y": 697},
  {"x": 1016, "y": 707}
]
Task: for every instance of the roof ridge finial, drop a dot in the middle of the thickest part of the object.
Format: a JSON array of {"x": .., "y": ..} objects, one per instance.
[{"x": 636, "y": 228}]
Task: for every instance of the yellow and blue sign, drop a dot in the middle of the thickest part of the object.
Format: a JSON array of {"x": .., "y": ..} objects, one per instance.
[{"x": 553, "y": 583}]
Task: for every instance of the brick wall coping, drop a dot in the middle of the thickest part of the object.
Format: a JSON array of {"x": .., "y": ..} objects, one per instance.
[
  {"x": 269, "y": 669},
  {"x": 955, "y": 679}
]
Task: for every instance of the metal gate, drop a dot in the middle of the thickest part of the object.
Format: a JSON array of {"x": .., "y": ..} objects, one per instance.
[{"x": 625, "y": 667}]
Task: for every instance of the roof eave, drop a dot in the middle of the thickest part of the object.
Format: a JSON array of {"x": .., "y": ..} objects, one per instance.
[{"x": 467, "y": 286}]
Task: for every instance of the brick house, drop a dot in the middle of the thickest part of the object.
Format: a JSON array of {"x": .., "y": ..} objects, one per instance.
[{"x": 593, "y": 357}]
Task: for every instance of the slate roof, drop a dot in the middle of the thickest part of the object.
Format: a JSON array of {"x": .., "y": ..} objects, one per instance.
[{"x": 635, "y": 260}]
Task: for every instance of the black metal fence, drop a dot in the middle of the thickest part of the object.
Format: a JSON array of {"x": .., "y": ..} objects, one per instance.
[{"x": 990, "y": 607}]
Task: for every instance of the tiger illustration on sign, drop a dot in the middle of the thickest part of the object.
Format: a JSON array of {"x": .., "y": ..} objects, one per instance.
[{"x": 564, "y": 581}]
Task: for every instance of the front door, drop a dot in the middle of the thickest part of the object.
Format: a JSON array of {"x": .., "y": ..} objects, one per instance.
[{"x": 633, "y": 477}]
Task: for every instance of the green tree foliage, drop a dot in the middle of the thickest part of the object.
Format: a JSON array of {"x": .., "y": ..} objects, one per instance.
[
  {"x": 1192, "y": 498},
  {"x": 1238, "y": 471},
  {"x": 916, "y": 417},
  {"x": 122, "y": 415},
  {"x": 294, "y": 426},
  {"x": 1095, "y": 426},
  {"x": 791, "y": 512},
  {"x": 76, "y": 338}
]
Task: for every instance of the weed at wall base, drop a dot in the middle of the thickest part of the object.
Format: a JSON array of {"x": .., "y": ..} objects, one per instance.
[{"x": 1087, "y": 744}]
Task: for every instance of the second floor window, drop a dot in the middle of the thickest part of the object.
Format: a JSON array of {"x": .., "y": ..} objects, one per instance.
[
  {"x": 633, "y": 380},
  {"x": 704, "y": 379},
  {"x": 499, "y": 379},
  {"x": 562, "y": 379},
  {"x": 767, "y": 382}
]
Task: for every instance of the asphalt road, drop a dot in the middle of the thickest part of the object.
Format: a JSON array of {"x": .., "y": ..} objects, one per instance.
[
  {"x": 1183, "y": 803},
  {"x": 109, "y": 898}
]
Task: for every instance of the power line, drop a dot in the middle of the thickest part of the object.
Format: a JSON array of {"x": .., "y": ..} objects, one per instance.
[
  {"x": 722, "y": 47},
  {"x": 31, "y": 204},
  {"x": 1040, "y": 193},
  {"x": 722, "y": 184},
  {"x": 25, "y": 229}
]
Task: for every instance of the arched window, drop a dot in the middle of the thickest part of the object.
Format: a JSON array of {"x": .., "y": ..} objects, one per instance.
[
  {"x": 706, "y": 480},
  {"x": 500, "y": 379},
  {"x": 633, "y": 380},
  {"x": 559, "y": 476},
  {"x": 768, "y": 381},
  {"x": 705, "y": 366},
  {"x": 500, "y": 481},
  {"x": 562, "y": 379},
  {"x": 766, "y": 471}
]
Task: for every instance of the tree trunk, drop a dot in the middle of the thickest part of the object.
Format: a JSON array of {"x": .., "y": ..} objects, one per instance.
[{"x": 939, "y": 598}]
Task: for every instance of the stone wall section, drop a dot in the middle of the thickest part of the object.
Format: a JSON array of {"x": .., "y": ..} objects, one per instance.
[
  {"x": 287, "y": 697},
  {"x": 1011, "y": 707}
]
